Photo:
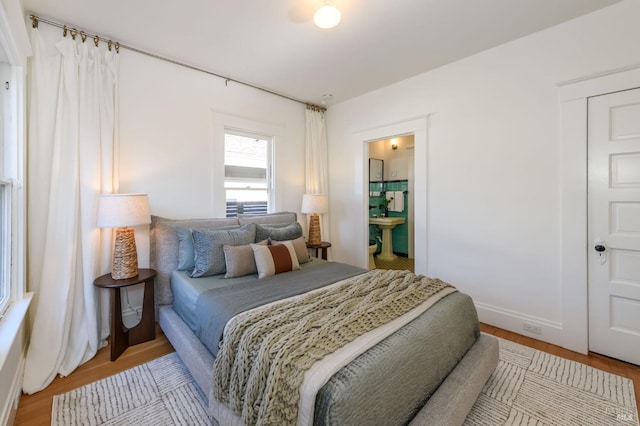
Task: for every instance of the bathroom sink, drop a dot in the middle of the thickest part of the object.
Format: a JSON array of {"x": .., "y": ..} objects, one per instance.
[
  {"x": 386, "y": 224},
  {"x": 386, "y": 220}
]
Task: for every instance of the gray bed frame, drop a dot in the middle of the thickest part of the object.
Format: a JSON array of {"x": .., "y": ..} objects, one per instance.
[{"x": 448, "y": 406}]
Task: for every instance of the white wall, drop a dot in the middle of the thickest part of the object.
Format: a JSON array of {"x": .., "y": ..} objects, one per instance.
[
  {"x": 168, "y": 149},
  {"x": 492, "y": 160},
  {"x": 167, "y": 142}
]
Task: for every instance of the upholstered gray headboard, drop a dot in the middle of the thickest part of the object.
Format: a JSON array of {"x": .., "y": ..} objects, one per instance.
[{"x": 163, "y": 247}]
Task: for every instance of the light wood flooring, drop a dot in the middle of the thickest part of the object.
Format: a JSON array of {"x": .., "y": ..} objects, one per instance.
[{"x": 36, "y": 409}]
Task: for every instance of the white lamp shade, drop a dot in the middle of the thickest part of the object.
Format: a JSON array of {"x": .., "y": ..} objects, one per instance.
[
  {"x": 123, "y": 210},
  {"x": 315, "y": 203}
]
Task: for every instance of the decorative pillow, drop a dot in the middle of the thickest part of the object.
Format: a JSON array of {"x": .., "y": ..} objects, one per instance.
[
  {"x": 271, "y": 260},
  {"x": 186, "y": 255},
  {"x": 278, "y": 233},
  {"x": 268, "y": 218},
  {"x": 300, "y": 246},
  {"x": 239, "y": 260},
  {"x": 208, "y": 248}
]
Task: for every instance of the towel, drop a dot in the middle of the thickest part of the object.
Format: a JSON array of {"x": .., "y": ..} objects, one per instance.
[
  {"x": 391, "y": 204},
  {"x": 398, "y": 201}
]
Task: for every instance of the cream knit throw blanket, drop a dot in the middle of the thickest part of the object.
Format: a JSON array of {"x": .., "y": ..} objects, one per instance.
[{"x": 266, "y": 351}]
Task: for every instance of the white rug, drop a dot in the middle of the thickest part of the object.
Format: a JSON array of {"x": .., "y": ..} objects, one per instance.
[{"x": 529, "y": 387}]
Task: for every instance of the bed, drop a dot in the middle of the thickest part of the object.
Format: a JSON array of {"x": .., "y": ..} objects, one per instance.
[{"x": 429, "y": 369}]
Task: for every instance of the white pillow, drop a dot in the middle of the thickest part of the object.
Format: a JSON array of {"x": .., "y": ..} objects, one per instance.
[{"x": 271, "y": 260}]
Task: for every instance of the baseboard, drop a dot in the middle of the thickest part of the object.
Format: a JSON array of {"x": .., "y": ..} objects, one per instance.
[{"x": 549, "y": 331}]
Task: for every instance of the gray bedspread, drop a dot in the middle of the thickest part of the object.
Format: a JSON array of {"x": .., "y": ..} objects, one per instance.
[
  {"x": 391, "y": 382},
  {"x": 217, "y": 306}
]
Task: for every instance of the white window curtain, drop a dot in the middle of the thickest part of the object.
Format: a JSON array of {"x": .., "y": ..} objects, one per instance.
[
  {"x": 316, "y": 170},
  {"x": 71, "y": 158}
]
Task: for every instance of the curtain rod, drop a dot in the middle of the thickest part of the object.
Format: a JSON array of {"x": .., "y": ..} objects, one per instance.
[{"x": 35, "y": 19}]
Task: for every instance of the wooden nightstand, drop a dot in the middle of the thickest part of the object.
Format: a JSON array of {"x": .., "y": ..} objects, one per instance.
[
  {"x": 121, "y": 336},
  {"x": 323, "y": 247}
]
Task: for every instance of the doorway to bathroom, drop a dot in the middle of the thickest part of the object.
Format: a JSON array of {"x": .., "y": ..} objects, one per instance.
[{"x": 391, "y": 208}]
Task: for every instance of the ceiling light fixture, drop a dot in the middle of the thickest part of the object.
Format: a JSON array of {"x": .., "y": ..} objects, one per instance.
[
  {"x": 327, "y": 17},
  {"x": 326, "y": 98}
]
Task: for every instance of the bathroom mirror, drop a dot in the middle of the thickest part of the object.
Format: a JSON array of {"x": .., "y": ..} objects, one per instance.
[{"x": 376, "y": 170}]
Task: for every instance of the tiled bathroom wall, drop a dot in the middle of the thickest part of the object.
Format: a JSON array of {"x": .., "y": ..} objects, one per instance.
[{"x": 377, "y": 200}]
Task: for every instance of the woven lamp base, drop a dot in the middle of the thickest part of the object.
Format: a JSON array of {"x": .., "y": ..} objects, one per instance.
[
  {"x": 125, "y": 255},
  {"x": 314, "y": 230}
]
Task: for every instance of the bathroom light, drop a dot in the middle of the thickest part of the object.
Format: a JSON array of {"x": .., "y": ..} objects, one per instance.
[{"x": 327, "y": 17}]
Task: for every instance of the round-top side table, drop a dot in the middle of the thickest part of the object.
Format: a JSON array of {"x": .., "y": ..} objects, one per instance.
[
  {"x": 121, "y": 336},
  {"x": 323, "y": 247}
]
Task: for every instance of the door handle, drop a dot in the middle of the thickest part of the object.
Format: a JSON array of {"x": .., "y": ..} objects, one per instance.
[{"x": 600, "y": 246}]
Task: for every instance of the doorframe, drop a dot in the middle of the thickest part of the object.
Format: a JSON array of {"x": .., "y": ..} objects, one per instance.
[
  {"x": 418, "y": 127},
  {"x": 574, "y": 97}
]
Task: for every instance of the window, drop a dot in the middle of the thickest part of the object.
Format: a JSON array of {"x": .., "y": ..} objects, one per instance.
[
  {"x": 11, "y": 233},
  {"x": 14, "y": 48},
  {"x": 5, "y": 191},
  {"x": 247, "y": 172},
  {"x": 5, "y": 245}
]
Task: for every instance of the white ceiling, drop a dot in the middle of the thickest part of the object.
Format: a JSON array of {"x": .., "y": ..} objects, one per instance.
[{"x": 274, "y": 44}]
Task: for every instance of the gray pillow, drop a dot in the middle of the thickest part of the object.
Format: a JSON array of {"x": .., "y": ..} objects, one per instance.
[
  {"x": 208, "y": 248},
  {"x": 268, "y": 218},
  {"x": 186, "y": 254},
  {"x": 278, "y": 232},
  {"x": 240, "y": 261}
]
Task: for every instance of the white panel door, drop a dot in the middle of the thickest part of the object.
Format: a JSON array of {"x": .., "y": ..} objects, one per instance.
[{"x": 614, "y": 225}]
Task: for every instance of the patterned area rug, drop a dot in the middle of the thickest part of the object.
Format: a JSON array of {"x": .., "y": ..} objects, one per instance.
[{"x": 529, "y": 387}]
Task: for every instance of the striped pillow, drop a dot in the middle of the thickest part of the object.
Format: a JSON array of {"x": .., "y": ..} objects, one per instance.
[
  {"x": 300, "y": 246},
  {"x": 271, "y": 260}
]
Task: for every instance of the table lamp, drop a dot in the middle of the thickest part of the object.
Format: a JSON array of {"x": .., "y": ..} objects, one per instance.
[
  {"x": 122, "y": 211},
  {"x": 314, "y": 204}
]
